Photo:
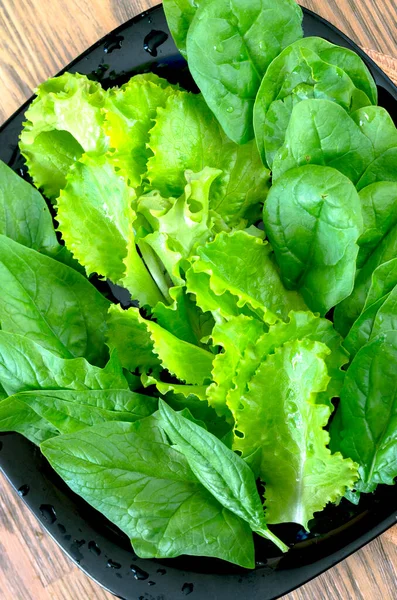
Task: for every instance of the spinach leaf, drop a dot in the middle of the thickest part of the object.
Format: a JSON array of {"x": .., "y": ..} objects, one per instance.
[
  {"x": 242, "y": 266},
  {"x": 374, "y": 320},
  {"x": 25, "y": 218},
  {"x": 187, "y": 136},
  {"x": 313, "y": 220},
  {"x": 384, "y": 279},
  {"x": 228, "y": 68},
  {"x": 36, "y": 414},
  {"x": 160, "y": 505},
  {"x": 53, "y": 138},
  {"x": 382, "y": 231},
  {"x": 379, "y": 209},
  {"x": 24, "y": 366},
  {"x": 144, "y": 345},
  {"x": 321, "y": 132},
  {"x": 220, "y": 470},
  {"x": 280, "y": 415},
  {"x": 51, "y": 304},
  {"x": 378, "y": 126},
  {"x": 366, "y": 428},
  {"x": 179, "y": 14},
  {"x": 308, "y": 68}
]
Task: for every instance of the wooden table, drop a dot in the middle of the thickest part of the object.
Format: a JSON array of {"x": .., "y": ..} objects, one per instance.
[{"x": 37, "y": 38}]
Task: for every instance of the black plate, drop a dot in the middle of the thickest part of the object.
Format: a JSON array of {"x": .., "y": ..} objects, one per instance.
[{"x": 100, "y": 549}]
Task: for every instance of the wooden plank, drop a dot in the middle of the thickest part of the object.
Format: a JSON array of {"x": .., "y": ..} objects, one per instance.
[{"x": 37, "y": 38}]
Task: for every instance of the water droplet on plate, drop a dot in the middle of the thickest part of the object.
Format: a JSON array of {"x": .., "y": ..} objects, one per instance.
[
  {"x": 48, "y": 513},
  {"x": 151, "y": 583},
  {"x": 94, "y": 548},
  {"x": 161, "y": 571},
  {"x": 112, "y": 564},
  {"x": 62, "y": 528},
  {"x": 114, "y": 43},
  {"x": 187, "y": 588},
  {"x": 153, "y": 40},
  {"x": 139, "y": 574},
  {"x": 23, "y": 490}
]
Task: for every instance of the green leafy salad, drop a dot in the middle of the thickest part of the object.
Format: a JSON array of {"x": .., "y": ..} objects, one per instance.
[{"x": 252, "y": 378}]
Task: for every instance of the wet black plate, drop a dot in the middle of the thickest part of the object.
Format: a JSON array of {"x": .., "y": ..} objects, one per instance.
[{"x": 100, "y": 549}]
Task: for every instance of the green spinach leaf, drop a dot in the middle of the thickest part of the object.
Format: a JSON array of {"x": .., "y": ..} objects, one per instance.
[
  {"x": 220, "y": 470},
  {"x": 25, "y": 366},
  {"x": 313, "y": 220},
  {"x": 308, "y": 68},
  {"x": 245, "y": 38},
  {"x": 366, "y": 428},
  {"x": 51, "y": 304},
  {"x": 321, "y": 132},
  {"x": 160, "y": 505}
]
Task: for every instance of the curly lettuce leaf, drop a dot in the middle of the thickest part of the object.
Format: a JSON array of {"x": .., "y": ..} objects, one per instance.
[
  {"x": 366, "y": 428},
  {"x": 161, "y": 506},
  {"x": 245, "y": 38},
  {"x": 234, "y": 336},
  {"x": 63, "y": 121},
  {"x": 308, "y": 68},
  {"x": 242, "y": 265},
  {"x": 187, "y": 136},
  {"x": 36, "y": 414},
  {"x": 51, "y": 304},
  {"x": 313, "y": 220},
  {"x": 183, "y": 318},
  {"x": 142, "y": 344},
  {"x": 280, "y": 414},
  {"x": 129, "y": 115},
  {"x": 220, "y": 470},
  {"x": 96, "y": 219},
  {"x": 179, "y": 225},
  {"x": 300, "y": 326},
  {"x": 25, "y": 366}
]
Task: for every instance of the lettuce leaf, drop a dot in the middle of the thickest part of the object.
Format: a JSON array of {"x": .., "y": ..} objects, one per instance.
[
  {"x": 242, "y": 266},
  {"x": 159, "y": 495},
  {"x": 300, "y": 326},
  {"x": 53, "y": 138},
  {"x": 179, "y": 225},
  {"x": 366, "y": 428},
  {"x": 51, "y": 304},
  {"x": 142, "y": 344},
  {"x": 130, "y": 112},
  {"x": 234, "y": 336},
  {"x": 187, "y": 136},
  {"x": 279, "y": 414},
  {"x": 183, "y": 318}
]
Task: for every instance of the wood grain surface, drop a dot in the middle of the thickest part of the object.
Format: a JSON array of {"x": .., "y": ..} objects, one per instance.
[{"x": 37, "y": 38}]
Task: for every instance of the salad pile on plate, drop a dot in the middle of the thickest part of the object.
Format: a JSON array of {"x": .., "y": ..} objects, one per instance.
[{"x": 252, "y": 379}]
